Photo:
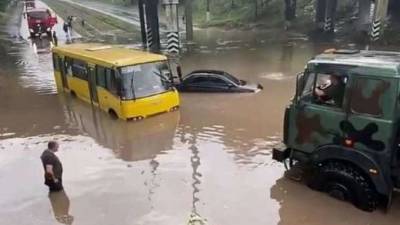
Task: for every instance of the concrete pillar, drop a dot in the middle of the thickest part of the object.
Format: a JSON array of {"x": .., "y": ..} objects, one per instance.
[
  {"x": 290, "y": 10},
  {"x": 152, "y": 26},
  {"x": 189, "y": 20},
  {"x": 208, "y": 14},
  {"x": 364, "y": 15},
  {"x": 171, "y": 11},
  {"x": 320, "y": 14},
  {"x": 330, "y": 16},
  {"x": 142, "y": 16},
  {"x": 381, "y": 9}
]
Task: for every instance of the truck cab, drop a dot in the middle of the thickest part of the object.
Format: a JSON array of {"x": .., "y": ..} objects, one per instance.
[
  {"x": 40, "y": 21},
  {"x": 343, "y": 123}
]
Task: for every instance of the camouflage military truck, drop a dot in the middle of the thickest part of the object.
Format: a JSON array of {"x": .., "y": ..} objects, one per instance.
[{"x": 344, "y": 123}]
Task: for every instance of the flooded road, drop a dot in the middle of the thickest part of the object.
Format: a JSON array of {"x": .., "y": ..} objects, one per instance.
[{"x": 212, "y": 158}]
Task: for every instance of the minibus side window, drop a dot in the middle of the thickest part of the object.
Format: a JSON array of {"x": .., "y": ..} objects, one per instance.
[
  {"x": 101, "y": 76},
  {"x": 79, "y": 69},
  {"x": 68, "y": 66},
  {"x": 112, "y": 83}
]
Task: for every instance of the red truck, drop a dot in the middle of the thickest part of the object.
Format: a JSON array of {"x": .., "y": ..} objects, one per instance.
[{"x": 40, "y": 21}]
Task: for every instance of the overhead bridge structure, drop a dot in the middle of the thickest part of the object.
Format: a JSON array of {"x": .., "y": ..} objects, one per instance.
[{"x": 371, "y": 15}]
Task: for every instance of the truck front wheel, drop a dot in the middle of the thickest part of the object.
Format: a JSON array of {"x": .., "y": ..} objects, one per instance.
[{"x": 345, "y": 182}]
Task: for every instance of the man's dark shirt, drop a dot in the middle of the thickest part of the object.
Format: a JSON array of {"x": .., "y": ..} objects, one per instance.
[
  {"x": 334, "y": 93},
  {"x": 49, "y": 158}
]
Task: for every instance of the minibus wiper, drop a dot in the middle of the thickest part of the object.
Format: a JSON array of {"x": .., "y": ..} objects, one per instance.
[
  {"x": 161, "y": 76},
  {"x": 132, "y": 88}
]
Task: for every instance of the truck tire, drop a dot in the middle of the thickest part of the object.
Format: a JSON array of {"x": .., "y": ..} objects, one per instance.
[{"x": 345, "y": 182}]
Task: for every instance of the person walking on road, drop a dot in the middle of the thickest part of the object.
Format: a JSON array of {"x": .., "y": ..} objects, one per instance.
[
  {"x": 65, "y": 28},
  {"x": 69, "y": 22},
  {"x": 54, "y": 38},
  {"x": 52, "y": 167}
]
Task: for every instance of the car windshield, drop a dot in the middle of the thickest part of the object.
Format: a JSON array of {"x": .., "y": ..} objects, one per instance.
[
  {"x": 38, "y": 14},
  {"x": 233, "y": 79},
  {"x": 144, "y": 80}
]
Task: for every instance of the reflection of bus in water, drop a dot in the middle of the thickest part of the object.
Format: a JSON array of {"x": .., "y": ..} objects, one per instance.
[
  {"x": 129, "y": 141},
  {"x": 126, "y": 83}
]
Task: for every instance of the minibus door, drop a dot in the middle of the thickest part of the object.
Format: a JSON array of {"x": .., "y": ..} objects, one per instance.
[
  {"x": 63, "y": 72},
  {"x": 92, "y": 85}
]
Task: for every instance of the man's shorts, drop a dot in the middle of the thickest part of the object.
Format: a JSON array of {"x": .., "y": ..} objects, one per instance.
[{"x": 54, "y": 186}]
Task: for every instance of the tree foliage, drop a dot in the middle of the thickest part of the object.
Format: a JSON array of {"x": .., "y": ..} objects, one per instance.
[{"x": 3, "y": 5}]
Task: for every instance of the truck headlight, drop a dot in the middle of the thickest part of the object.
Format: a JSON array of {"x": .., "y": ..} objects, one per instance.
[
  {"x": 48, "y": 29},
  {"x": 31, "y": 30}
]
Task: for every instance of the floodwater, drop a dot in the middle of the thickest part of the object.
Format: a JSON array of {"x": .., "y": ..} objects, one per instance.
[{"x": 212, "y": 158}]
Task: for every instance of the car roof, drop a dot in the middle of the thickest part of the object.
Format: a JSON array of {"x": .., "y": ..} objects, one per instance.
[
  {"x": 217, "y": 73},
  {"x": 109, "y": 55},
  {"x": 386, "y": 60}
]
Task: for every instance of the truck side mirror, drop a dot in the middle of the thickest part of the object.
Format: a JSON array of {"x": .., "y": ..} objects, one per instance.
[{"x": 299, "y": 85}]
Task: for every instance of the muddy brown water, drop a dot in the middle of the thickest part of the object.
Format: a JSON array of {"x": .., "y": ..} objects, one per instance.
[{"x": 213, "y": 157}]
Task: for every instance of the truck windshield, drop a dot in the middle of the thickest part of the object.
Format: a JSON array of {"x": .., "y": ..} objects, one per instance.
[
  {"x": 144, "y": 80},
  {"x": 38, "y": 15}
]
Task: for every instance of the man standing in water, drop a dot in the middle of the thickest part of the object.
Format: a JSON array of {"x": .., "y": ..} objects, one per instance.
[{"x": 52, "y": 167}]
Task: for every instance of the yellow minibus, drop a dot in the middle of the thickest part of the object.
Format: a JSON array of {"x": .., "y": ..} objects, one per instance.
[{"x": 126, "y": 83}]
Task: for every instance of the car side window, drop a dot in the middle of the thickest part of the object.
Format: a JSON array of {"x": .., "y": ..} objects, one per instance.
[
  {"x": 197, "y": 80},
  {"x": 217, "y": 81}
]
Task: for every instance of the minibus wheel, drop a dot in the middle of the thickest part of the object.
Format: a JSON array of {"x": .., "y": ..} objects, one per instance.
[{"x": 113, "y": 114}]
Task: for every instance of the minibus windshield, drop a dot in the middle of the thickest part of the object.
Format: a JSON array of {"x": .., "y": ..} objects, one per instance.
[{"x": 144, "y": 80}]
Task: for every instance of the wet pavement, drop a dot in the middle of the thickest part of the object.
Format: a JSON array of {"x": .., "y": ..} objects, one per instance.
[{"x": 212, "y": 158}]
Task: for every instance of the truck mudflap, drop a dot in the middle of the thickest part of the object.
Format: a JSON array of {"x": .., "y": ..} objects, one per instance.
[{"x": 280, "y": 154}]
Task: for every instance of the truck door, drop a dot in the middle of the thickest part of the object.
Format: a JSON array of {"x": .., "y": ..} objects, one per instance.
[
  {"x": 314, "y": 120},
  {"x": 369, "y": 126}
]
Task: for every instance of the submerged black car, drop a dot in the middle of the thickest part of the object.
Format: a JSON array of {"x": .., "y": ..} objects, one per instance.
[{"x": 215, "y": 81}]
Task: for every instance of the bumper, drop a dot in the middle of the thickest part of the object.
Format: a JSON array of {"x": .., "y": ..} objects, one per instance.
[{"x": 280, "y": 154}]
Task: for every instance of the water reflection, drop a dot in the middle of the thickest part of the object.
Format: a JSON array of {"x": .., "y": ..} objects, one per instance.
[
  {"x": 41, "y": 45},
  {"x": 195, "y": 217},
  {"x": 196, "y": 175},
  {"x": 60, "y": 204},
  {"x": 151, "y": 183},
  {"x": 296, "y": 199},
  {"x": 287, "y": 56},
  {"x": 130, "y": 141}
]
